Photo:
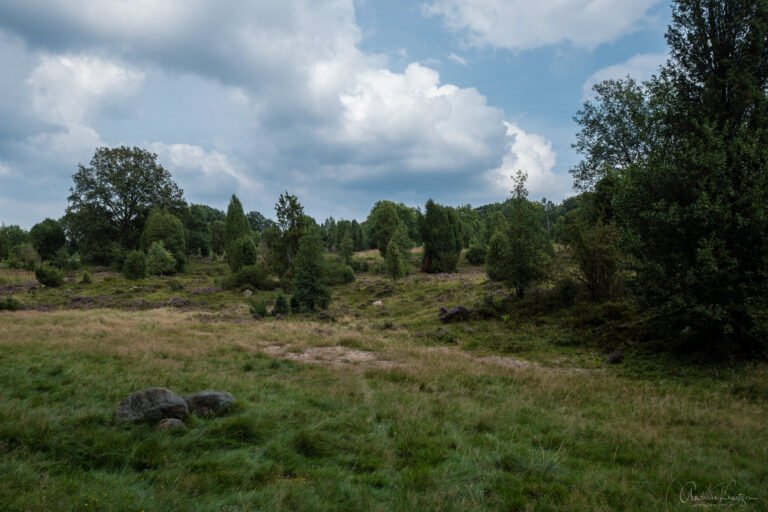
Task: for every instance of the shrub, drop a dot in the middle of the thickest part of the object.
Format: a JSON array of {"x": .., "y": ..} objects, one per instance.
[
  {"x": 23, "y": 256},
  {"x": 441, "y": 232},
  {"x": 565, "y": 292},
  {"x": 160, "y": 261},
  {"x": 281, "y": 305},
  {"x": 65, "y": 261},
  {"x": 337, "y": 272},
  {"x": 394, "y": 262},
  {"x": 257, "y": 307},
  {"x": 476, "y": 255},
  {"x": 252, "y": 276},
  {"x": 10, "y": 304},
  {"x": 241, "y": 253},
  {"x": 117, "y": 257},
  {"x": 359, "y": 265},
  {"x": 49, "y": 276},
  {"x": 135, "y": 265},
  {"x": 596, "y": 250},
  {"x": 86, "y": 279},
  {"x": 163, "y": 226}
]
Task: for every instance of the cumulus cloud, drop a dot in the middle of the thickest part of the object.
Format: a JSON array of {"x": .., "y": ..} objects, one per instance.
[
  {"x": 640, "y": 67},
  {"x": 533, "y": 154},
  {"x": 521, "y": 24},
  {"x": 281, "y": 96}
]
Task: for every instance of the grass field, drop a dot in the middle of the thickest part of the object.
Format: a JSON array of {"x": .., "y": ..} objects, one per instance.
[{"x": 374, "y": 408}]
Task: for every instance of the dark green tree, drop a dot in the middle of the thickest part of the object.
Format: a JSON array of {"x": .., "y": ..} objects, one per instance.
[
  {"x": 383, "y": 222},
  {"x": 526, "y": 252},
  {"x": 112, "y": 197},
  {"x": 695, "y": 214},
  {"x": 47, "y": 237},
  {"x": 241, "y": 253},
  {"x": 282, "y": 240},
  {"x": 217, "y": 237},
  {"x": 347, "y": 248},
  {"x": 160, "y": 261},
  {"x": 258, "y": 222},
  {"x": 163, "y": 226},
  {"x": 442, "y": 236},
  {"x": 11, "y": 236},
  {"x": 236, "y": 226},
  {"x": 396, "y": 267},
  {"x": 135, "y": 265},
  {"x": 309, "y": 293}
]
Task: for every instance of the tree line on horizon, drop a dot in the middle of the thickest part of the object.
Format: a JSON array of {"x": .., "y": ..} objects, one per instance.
[{"x": 673, "y": 203}]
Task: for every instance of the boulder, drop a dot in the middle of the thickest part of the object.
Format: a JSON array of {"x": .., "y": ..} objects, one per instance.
[
  {"x": 151, "y": 405},
  {"x": 209, "y": 403},
  {"x": 455, "y": 314},
  {"x": 377, "y": 304},
  {"x": 170, "y": 424}
]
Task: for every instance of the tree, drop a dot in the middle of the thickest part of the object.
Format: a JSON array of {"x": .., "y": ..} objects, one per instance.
[
  {"x": 282, "y": 239},
  {"x": 217, "y": 237},
  {"x": 596, "y": 251},
  {"x": 442, "y": 236},
  {"x": 394, "y": 263},
  {"x": 520, "y": 255},
  {"x": 695, "y": 214},
  {"x": 347, "y": 248},
  {"x": 383, "y": 223},
  {"x": 236, "y": 226},
  {"x": 160, "y": 261},
  {"x": 241, "y": 253},
  {"x": 309, "y": 293},
  {"x": 111, "y": 198},
  {"x": 618, "y": 130},
  {"x": 258, "y": 222},
  {"x": 163, "y": 226},
  {"x": 47, "y": 237},
  {"x": 11, "y": 236},
  {"x": 135, "y": 265},
  {"x": 197, "y": 228}
]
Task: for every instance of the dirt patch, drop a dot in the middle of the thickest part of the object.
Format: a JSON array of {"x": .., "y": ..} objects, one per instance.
[
  {"x": 331, "y": 356},
  {"x": 508, "y": 362}
]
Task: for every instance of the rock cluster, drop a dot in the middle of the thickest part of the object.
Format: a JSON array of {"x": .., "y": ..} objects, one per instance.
[{"x": 168, "y": 410}]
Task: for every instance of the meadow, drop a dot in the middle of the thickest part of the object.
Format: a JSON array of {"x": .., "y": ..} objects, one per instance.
[{"x": 368, "y": 407}]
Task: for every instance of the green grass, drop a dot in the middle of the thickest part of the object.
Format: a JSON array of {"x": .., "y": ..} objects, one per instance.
[{"x": 427, "y": 424}]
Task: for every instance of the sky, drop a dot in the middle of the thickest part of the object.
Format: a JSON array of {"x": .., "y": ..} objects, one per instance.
[{"x": 340, "y": 102}]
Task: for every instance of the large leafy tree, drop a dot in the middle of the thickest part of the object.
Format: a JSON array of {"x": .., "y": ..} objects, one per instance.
[
  {"x": 111, "y": 198},
  {"x": 692, "y": 211}
]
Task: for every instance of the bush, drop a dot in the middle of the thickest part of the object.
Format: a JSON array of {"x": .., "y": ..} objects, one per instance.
[
  {"x": 117, "y": 257},
  {"x": 337, "y": 272},
  {"x": 10, "y": 304},
  {"x": 252, "y": 276},
  {"x": 241, "y": 253},
  {"x": 476, "y": 255},
  {"x": 281, "y": 306},
  {"x": 163, "y": 226},
  {"x": 23, "y": 256},
  {"x": 394, "y": 262},
  {"x": 49, "y": 276},
  {"x": 47, "y": 238},
  {"x": 65, "y": 261},
  {"x": 257, "y": 307},
  {"x": 135, "y": 265},
  {"x": 309, "y": 291},
  {"x": 565, "y": 292},
  {"x": 359, "y": 265},
  {"x": 160, "y": 261},
  {"x": 86, "y": 279}
]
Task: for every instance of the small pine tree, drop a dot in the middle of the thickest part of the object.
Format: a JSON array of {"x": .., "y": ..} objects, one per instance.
[
  {"x": 159, "y": 260},
  {"x": 236, "y": 225},
  {"x": 395, "y": 265},
  {"x": 441, "y": 232},
  {"x": 281, "y": 306},
  {"x": 347, "y": 248},
  {"x": 135, "y": 265},
  {"x": 309, "y": 293}
]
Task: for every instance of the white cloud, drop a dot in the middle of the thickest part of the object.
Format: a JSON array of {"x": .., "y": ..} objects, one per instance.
[
  {"x": 213, "y": 165},
  {"x": 522, "y": 24},
  {"x": 640, "y": 67},
  {"x": 5, "y": 170},
  {"x": 458, "y": 59},
  {"x": 533, "y": 154}
]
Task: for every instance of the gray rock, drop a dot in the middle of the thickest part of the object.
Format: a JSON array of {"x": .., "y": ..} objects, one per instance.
[
  {"x": 151, "y": 405},
  {"x": 170, "y": 424},
  {"x": 209, "y": 403},
  {"x": 247, "y": 293}
]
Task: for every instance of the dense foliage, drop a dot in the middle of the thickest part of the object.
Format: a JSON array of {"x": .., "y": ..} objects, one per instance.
[
  {"x": 442, "y": 235},
  {"x": 47, "y": 238}
]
